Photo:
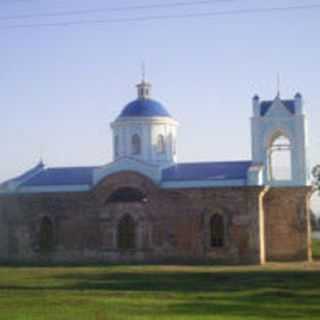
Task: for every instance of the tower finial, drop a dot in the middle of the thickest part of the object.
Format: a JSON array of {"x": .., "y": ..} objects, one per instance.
[
  {"x": 143, "y": 71},
  {"x": 42, "y": 148},
  {"x": 278, "y": 84}
]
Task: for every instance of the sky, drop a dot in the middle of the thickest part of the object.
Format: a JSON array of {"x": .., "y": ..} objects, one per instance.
[{"x": 61, "y": 86}]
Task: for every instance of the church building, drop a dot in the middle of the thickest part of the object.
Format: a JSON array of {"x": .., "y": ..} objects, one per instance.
[{"x": 146, "y": 207}]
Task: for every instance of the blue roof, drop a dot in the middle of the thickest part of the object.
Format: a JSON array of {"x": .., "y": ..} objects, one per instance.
[
  {"x": 207, "y": 171},
  {"x": 143, "y": 107},
  {"x": 62, "y": 177},
  {"x": 25, "y": 176},
  {"x": 265, "y": 106},
  {"x": 83, "y": 176}
]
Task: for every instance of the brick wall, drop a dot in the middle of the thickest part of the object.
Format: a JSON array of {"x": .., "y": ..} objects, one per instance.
[
  {"x": 171, "y": 226},
  {"x": 287, "y": 224}
]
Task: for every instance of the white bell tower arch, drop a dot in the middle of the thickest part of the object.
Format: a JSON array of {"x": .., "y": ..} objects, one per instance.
[{"x": 278, "y": 132}]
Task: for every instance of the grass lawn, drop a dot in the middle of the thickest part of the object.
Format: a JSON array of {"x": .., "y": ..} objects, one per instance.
[
  {"x": 274, "y": 291},
  {"x": 316, "y": 249}
]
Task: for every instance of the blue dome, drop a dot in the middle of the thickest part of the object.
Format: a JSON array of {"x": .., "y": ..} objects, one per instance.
[{"x": 144, "y": 108}]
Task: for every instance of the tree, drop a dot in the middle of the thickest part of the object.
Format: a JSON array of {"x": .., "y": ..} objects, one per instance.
[
  {"x": 313, "y": 220},
  {"x": 316, "y": 176}
]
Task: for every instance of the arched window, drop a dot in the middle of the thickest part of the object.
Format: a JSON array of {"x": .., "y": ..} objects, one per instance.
[
  {"x": 127, "y": 194},
  {"x": 161, "y": 145},
  {"x": 116, "y": 145},
  {"x": 216, "y": 231},
  {"x": 136, "y": 144},
  {"x": 126, "y": 233},
  {"x": 46, "y": 240},
  {"x": 279, "y": 158}
]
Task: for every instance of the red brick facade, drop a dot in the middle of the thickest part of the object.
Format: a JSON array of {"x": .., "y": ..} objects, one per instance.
[{"x": 169, "y": 225}]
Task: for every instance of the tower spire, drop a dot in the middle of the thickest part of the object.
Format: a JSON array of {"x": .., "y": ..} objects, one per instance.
[
  {"x": 278, "y": 84},
  {"x": 143, "y": 71}
]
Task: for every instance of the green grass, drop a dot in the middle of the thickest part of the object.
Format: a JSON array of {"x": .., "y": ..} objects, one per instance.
[
  {"x": 316, "y": 249},
  {"x": 274, "y": 291}
]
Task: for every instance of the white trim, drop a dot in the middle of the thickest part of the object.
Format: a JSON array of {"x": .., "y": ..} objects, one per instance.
[
  {"x": 282, "y": 183},
  {"x": 143, "y": 120}
]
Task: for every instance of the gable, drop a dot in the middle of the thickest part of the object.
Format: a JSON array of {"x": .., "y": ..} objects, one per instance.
[
  {"x": 128, "y": 164},
  {"x": 277, "y": 108}
]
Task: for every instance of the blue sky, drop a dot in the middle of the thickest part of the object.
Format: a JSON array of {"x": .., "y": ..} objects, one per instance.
[{"x": 62, "y": 86}]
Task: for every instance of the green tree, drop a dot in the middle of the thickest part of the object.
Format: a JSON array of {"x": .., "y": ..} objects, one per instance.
[
  {"x": 313, "y": 220},
  {"x": 316, "y": 176}
]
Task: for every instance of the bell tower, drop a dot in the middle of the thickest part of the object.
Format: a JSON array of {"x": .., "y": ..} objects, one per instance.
[{"x": 279, "y": 140}]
